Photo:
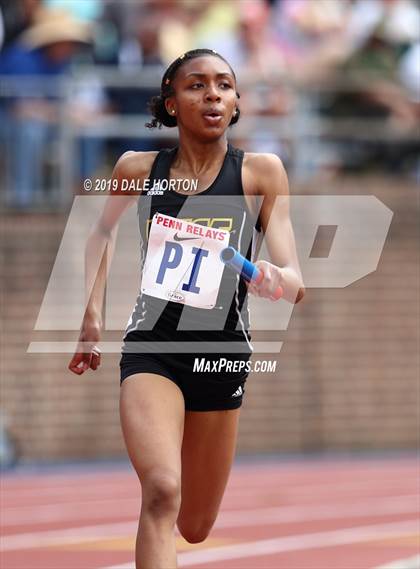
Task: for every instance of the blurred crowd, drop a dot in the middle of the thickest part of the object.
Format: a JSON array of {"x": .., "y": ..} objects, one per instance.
[{"x": 329, "y": 59}]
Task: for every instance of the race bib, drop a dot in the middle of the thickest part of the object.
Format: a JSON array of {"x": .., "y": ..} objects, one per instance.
[{"x": 182, "y": 262}]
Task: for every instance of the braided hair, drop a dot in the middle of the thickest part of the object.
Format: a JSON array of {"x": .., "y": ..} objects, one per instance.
[{"x": 157, "y": 103}]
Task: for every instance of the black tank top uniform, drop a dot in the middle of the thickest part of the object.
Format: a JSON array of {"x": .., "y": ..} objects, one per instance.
[{"x": 204, "y": 351}]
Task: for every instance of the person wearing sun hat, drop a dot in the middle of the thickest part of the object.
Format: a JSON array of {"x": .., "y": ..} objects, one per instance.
[
  {"x": 55, "y": 25},
  {"x": 45, "y": 52}
]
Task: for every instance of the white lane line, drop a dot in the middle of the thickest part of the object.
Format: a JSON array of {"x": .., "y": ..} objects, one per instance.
[
  {"x": 67, "y": 536},
  {"x": 71, "y": 512},
  {"x": 89, "y": 489},
  {"x": 337, "y": 511},
  {"x": 105, "y": 509},
  {"x": 291, "y": 543},
  {"x": 349, "y": 488},
  {"x": 408, "y": 563}
]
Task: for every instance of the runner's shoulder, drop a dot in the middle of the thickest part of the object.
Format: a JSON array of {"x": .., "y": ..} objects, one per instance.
[
  {"x": 264, "y": 170},
  {"x": 134, "y": 166},
  {"x": 262, "y": 162}
]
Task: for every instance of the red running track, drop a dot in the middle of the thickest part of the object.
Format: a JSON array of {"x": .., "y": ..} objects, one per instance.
[{"x": 348, "y": 513}]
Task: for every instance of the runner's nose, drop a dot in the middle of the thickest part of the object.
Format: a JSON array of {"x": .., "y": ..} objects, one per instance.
[{"x": 212, "y": 94}]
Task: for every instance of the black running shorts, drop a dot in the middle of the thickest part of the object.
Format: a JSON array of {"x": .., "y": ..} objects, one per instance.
[{"x": 208, "y": 381}]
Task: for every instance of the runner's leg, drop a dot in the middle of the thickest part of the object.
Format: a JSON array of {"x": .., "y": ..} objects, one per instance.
[
  {"x": 152, "y": 420},
  {"x": 208, "y": 450}
]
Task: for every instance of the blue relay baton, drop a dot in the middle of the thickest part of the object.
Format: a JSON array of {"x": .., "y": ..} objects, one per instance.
[{"x": 238, "y": 263}]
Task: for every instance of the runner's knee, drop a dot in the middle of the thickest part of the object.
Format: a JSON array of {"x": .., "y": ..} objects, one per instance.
[
  {"x": 161, "y": 492},
  {"x": 195, "y": 531}
]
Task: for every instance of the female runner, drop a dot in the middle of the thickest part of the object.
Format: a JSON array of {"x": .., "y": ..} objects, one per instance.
[{"x": 179, "y": 424}]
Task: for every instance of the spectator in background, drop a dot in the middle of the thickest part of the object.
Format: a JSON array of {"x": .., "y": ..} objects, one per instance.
[
  {"x": 255, "y": 53},
  {"x": 311, "y": 39},
  {"x": 310, "y": 36},
  {"x": 177, "y": 19},
  {"x": 343, "y": 42},
  {"x": 379, "y": 35},
  {"x": 172, "y": 20},
  {"x": 318, "y": 38},
  {"x": 133, "y": 100},
  {"x": 252, "y": 46},
  {"x": 214, "y": 17},
  {"x": 14, "y": 18},
  {"x": 381, "y": 32},
  {"x": 45, "y": 51},
  {"x": 409, "y": 75},
  {"x": 120, "y": 23}
]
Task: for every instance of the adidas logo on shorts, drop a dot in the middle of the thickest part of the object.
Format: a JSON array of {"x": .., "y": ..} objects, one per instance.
[{"x": 238, "y": 392}]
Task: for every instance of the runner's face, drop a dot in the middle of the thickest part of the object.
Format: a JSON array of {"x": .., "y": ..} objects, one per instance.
[{"x": 205, "y": 97}]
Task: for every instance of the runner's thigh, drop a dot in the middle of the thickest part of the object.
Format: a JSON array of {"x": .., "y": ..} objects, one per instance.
[
  {"x": 152, "y": 420},
  {"x": 207, "y": 454}
]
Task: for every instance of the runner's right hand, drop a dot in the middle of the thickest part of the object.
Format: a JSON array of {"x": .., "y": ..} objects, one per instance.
[{"x": 87, "y": 354}]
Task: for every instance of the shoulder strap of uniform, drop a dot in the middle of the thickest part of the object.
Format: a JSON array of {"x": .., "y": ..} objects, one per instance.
[
  {"x": 161, "y": 163},
  {"x": 238, "y": 155}
]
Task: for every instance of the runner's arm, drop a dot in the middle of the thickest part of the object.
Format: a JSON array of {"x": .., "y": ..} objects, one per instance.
[
  {"x": 98, "y": 255},
  {"x": 284, "y": 271},
  {"x": 101, "y": 241}
]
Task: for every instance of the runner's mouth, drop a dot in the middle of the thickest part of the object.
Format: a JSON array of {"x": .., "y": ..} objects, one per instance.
[{"x": 213, "y": 117}]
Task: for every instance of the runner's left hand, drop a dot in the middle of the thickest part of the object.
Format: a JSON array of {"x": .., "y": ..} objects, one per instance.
[{"x": 272, "y": 279}]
